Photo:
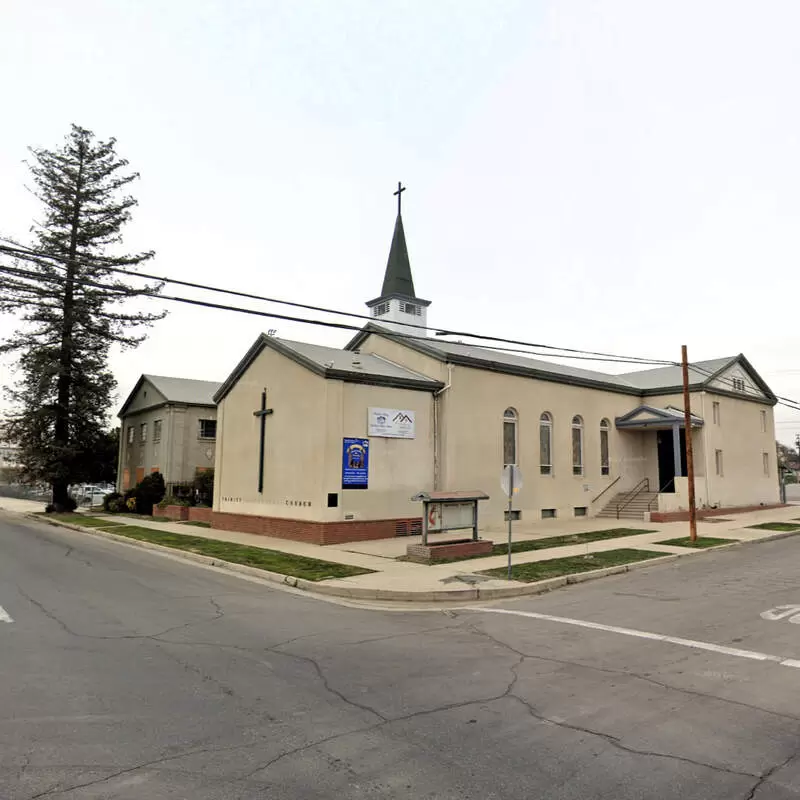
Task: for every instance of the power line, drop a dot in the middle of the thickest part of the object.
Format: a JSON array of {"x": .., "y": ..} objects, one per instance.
[
  {"x": 571, "y": 353},
  {"x": 27, "y": 252},
  {"x": 317, "y": 322}
]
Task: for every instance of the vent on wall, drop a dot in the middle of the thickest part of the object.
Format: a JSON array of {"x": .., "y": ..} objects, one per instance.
[{"x": 408, "y": 528}]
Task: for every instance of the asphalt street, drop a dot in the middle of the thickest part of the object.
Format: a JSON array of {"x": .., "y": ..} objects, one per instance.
[{"x": 126, "y": 674}]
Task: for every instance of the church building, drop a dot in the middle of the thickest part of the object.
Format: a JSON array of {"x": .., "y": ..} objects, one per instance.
[{"x": 329, "y": 445}]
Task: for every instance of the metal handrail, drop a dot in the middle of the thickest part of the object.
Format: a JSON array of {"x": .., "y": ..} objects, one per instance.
[
  {"x": 655, "y": 499},
  {"x": 619, "y": 477},
  {"x": 644, "y": 484}
]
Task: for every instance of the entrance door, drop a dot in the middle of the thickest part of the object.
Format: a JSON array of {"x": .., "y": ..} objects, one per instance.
[{"x": 666, "y": 460}]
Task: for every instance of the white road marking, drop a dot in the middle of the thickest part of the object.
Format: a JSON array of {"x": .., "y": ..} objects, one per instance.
[
  {"x": 781, "y": 612},
  {"x": 753, "y": 655},
  {"x": 4, "y": 615}
]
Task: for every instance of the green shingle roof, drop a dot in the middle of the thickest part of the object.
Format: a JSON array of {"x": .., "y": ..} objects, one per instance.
[{"x": 397, "y": 279}]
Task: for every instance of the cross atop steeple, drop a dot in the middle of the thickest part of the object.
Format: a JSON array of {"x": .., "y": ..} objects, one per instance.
[
  {"x": 399, "y": 195},
  {"x": 398, "y": 302}
]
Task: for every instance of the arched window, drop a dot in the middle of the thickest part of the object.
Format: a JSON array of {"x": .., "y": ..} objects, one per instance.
[
  {"x": 509, "y": 436},
  {"x": 546, "y": 444},
  {"x": 605, "y": 466},
  {"x": 577, "y": 445}
]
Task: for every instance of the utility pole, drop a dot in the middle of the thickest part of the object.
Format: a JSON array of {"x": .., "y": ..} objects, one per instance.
[{"x": 687, "y": 416}]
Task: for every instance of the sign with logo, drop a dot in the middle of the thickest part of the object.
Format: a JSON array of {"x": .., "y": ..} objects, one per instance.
[
  {"x": 355, "y": 463},
  {"x": 391, "y": 423}
]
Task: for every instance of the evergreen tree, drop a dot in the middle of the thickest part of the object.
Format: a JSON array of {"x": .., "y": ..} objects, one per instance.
[{"x": 67, "y": 298}]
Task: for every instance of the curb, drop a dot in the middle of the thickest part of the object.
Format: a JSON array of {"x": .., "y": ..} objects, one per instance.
[{"x": 437, "y": 596}]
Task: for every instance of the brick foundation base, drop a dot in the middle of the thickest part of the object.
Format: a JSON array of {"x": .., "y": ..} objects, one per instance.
[
  {"x": 300, "y": 530},
  {"x": 445, "y": 551},
  {"x": 178, "y": 513},
  {"x": 199, "y": 514},
  {"x": 683, "y": 516}
]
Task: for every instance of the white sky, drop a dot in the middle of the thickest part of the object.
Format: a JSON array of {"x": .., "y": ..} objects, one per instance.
[{"x": 618, "y": 175}]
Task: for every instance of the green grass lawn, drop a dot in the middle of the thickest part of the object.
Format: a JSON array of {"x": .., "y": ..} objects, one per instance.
[
  {"x": 556, "y": 567},
  {"x": 700, "y": 542},
  {"x": 197, "y": 523},
  {"x": 553, "y": 541},
  {"x": 777, "y": 526},
  {"x": 564, "y": 541},
  {"x": 84, "y": 519},
  {"x": 311, "y": 569}
]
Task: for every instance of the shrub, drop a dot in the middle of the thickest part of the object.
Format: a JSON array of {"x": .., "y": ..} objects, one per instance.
[
  {"x": 171, "y": 500},
  {"x": 149, "y": 491},
  {"x": 110, "y": 503},
  {"x": 130, "y": 504}
]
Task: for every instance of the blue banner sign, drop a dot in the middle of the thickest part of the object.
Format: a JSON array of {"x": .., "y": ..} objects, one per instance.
[{"x": 355, "y": 463}]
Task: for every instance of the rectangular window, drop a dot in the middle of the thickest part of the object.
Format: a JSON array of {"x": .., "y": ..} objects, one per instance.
[
  {"x": 410, "y": 308},
  {"x": 208, "y": 429},
  {"x": 763, "y": 422},
  {"x": 604, "y": 460},
  {"x": 715, "y": 412},
  {"x": 157, "y": 431},
  {"x": 718, "y": 462},
  {"x": 509, "y": 443},
  {"x": 380, "y": 309},
  {"x": 515, "y": 514},
  {"x": 580, "y": 511},
  {"x": 548, "y": 513},
  {"x": 577, "y": 451},
  {"x": 143, "y": 432},
  {"x": 738, "y": 384},
  {"x": 131, "y": 434},
  {"x": 765, "y": 460}
]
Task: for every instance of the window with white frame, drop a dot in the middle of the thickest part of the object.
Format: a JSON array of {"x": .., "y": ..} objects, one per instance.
[
  {"x": 510, "y": 420},
  {"x": 546, "y": 444},
  {"x": 131, "y": 434},
  {"x": 763, "y": 422},
  {"x": 765, "y": 461},
  {"x": 715, "y": 412},
  {"x": 718, "y": 462},
  {"x": 208, "y": 429},
  {"x": 577, "y": 445},
  {"x": 157, "y": 430},
  {"x": 605, "y": 461},
  {"x": 143, "y": 432},
  {"x": 380, "y": 309},
  {"x": 410, "y": 308},
  {"x": 738, "y": 384}
]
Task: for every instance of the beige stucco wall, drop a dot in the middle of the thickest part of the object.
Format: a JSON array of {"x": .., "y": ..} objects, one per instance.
[
  {"x": 742, "y": 442},
  {"x": 303, "y": 450},
  {"x": 179, "y": 452},
  {"x": 472, "y": 420}
]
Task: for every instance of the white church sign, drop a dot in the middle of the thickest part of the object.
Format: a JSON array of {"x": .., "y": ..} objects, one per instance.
[{"x": 391, "y": 423}]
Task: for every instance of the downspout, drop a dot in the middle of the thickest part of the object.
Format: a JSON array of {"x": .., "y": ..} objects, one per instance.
[
  {"x": 436, "y": 427},
  {"x": 705, "y": 443}
]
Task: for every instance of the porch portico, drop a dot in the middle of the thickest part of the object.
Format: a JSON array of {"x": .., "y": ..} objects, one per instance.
[{"x": 664, "y": 443}]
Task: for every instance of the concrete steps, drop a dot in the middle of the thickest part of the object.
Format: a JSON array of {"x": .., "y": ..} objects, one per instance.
[{"x": 634, "y": 509}]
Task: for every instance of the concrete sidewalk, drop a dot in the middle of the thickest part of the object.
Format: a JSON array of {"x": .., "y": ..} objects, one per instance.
[{"x": 393, "y": 579}]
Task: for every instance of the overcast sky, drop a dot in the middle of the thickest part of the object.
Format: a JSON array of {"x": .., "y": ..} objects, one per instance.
[{"x": 617, "y": 176}]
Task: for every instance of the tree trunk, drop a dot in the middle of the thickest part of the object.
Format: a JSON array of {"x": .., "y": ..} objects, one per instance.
[{"x": 60, "y": 484}]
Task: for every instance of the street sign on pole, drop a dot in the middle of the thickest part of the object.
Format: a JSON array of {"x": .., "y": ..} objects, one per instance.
[{"x": 511, "y": 482}]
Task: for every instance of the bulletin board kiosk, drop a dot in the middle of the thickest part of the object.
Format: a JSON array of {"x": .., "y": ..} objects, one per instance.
[{"x": 449, "y": 512}]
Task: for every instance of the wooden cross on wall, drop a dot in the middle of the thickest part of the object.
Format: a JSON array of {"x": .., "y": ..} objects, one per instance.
[{"x": 262, "y": 413}]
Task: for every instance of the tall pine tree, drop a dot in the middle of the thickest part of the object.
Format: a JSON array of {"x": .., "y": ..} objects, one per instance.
[{"x": 67, "y": 297}]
